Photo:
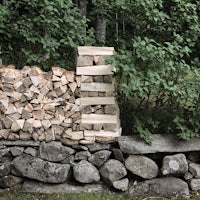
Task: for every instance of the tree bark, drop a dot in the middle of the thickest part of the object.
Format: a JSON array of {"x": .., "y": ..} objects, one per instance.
[{"x": 100, "y": 29}]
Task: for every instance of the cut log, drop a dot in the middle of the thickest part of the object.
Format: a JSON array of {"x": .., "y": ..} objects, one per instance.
[
  {"x": 84, "y": 60},
  {"x": 70, "y": 76},
  {"x": 78, "y": 135},
  {"x": 10, "y": 109},
  {"x": 86, "y": 79},
  {"x": 101, "y": 133},
  {"x": 93, "y": 51},
  {"x": 78, "y": 80},
  {"x": 58, "y": 130},
  {"x": 97, "y": 101},
  {"x": 57, "y": 71},
  {"x": 37, "y": 124},
  {"x": 38, "y": 114},
  {"x": 4, "y": 133},
  {"x": 96, "y": 70},
  {"x": 55, "y": 78},
  {"x": 98, "y": 119},
  {"x": 34, "y": 89},
  {"x": 46, "y": 124},
  {"x": 64, "y": 80},
  {"x": 73, "y": 86}
]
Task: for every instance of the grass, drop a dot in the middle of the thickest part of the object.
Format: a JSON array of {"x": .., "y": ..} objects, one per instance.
[{"x": 10, "y": 195}]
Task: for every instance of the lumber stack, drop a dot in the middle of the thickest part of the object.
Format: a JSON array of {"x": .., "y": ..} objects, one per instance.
[{"x": 99, "y": 109}]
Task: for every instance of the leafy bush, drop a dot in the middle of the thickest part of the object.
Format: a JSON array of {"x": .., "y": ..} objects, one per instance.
[
  {"x": 159, "y": 79},
  {"x": 40, "y": 32}
]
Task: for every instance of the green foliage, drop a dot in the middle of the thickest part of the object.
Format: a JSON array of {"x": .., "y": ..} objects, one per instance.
[
  {"x": 159, "y": 79},
  {"x": 41, "y": 33}
]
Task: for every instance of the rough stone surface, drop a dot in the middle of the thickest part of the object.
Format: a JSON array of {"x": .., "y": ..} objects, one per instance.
[
  {"x": 99, "y": 157},
  {"x": 142, "y": 166},
  {"x": 10, "y": 181},
  {"x": 20, "y": 143},
  {"x": 38, "y": 169},
  {"x": 175, "y": 164},
  {"x": 160, "y": 143},
  {"x": 68, "y": 160},
  {"x": 85, "y": 172},
  {"x": 194, "y": 168},
  {"x": 113, "y": 170},
  {"x": 82, "y": 155},
  {"x": 121, "y": 184},
  {"x": 17, "y": 151},
  {"x": 4, "y": 152},
  {"x": 54, "y": 151},
  {"x": 31, "y": 151},
  {"x": 118, "y": 155},
  {"x": 36, "y": 187},
  {"x": 165, "y": 187},
  {"x": 98, "y": 146},
  {"x": 5, "y": 168},
  {"x": 195, "y": 184}
]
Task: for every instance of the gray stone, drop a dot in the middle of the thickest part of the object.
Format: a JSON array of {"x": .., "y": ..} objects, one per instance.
[
  {"x": 194, "y": 184},
  {"x": 99, "y": 157},
  {"x": 175, "y": 164},
  {"x": 80, "y": 147},
  {"x": 82, "y": 155},
  {"x": 4, "y": 152},
  {"x": 118, "y": 155},
  {"x": 38, "y": 169},
  {"x": 98, "y": 146},
  {"x": 142, "y": 166},
  {"x": 44, "y": 188},
  {"x": 54, "y": 151},
  {"x": 194, "y": 156},
  {"x": 194, "y": 168},
  {"x": 68, "y": 160},
  {"x": 31, "y": 151},
  {"x": 17, "y": 151},
  {"x": 5, "y": 168},
  {"x": 113, "y": 170},
  {"x": 166, "y": 187},
  {"x": 160, "y": 143},
  {"x": 121, "y": 184},
  {"x": 10, "y": 181},
  {"x": 85, "y": 172},
  {"x": 20, "y": 143},
  {"x": 188, "y": 176}
]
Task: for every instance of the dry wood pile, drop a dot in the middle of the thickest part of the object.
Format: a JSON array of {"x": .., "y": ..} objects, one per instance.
[{"x": 60, "y": 105}]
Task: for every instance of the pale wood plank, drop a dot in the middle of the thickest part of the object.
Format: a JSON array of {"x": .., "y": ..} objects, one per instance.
[
  {"x": 95, "y": 70},
  {"x": 98, "y": 119},
  {"x": 101, "y": 133},
  {"x": 97, "y": 101},
  {"x": 93, "y": 51},
  {"x": 100, "y": 87}
]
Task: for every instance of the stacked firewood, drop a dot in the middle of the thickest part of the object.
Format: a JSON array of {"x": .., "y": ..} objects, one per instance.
[
  {"x": 99, "y": 109},
  {"x": 61, "y": 105},
  {"x": 39, "y": 105}
]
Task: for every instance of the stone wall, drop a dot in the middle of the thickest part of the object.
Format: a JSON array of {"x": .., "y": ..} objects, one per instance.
[
  {"x": 60, "y": 105},
  {"x": 50, "y": 167}
]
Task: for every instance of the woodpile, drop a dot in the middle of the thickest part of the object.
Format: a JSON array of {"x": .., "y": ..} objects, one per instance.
[{"x": 61, "y": 105}]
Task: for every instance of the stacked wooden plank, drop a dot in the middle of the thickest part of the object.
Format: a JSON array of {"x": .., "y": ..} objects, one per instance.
[
  {"x": 99, "y": 109},
  {"x": 39, "y": 105}
]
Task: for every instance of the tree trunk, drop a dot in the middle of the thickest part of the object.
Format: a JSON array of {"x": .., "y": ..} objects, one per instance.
[
  {"x": 83, "y": 7},
  {"x": 100, "y": 30}
]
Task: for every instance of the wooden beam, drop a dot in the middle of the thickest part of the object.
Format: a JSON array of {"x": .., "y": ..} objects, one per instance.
[
  {"x": 101, "y": 133},
  {"x": 95, "y": 70},
  {"x": 95, "y": 51},
  {"x": 100, "y": 87},
  {"x": 98, "y": 119},
  {"x": 97, "y": 101}
]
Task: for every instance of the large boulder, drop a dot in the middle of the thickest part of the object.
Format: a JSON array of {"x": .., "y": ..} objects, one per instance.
[
  {"x": 85, "y": 172},
  {"x": 99, "y": 158},
  {"x": 10, "y": 181},
  {"x": 121, "y": 184},
  {"x": 38, "y": 169},
  {"x": 54, "y": 151},
  {"x": 142, "y": 166},
  {"x": 165, "y": 187},
  {"x": 45, "y": 188},
  {"x": 160, "y": 143},
  {"x": 113, "y": 170},
  {"x": 195, "y": 184},
  {"x": 175, "y": 164},
  {"x": 194, "y": 169},
  {"x": 5, "y": 168}
]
